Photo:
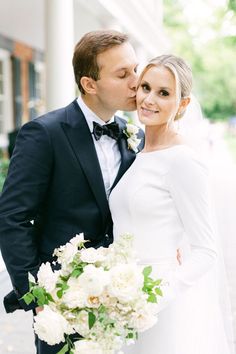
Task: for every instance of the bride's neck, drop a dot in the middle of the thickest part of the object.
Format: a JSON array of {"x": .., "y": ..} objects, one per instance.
[{"x": 159, "y": 137}]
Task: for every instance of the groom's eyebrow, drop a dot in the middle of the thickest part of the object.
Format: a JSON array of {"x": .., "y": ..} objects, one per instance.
[{"x": 128, "y": 67}]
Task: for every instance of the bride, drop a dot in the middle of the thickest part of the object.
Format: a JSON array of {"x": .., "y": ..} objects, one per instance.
[{"x": 163, "y": 200}]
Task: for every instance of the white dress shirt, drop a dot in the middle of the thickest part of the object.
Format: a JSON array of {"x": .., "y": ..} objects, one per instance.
[{"x": 107, "y": 149}]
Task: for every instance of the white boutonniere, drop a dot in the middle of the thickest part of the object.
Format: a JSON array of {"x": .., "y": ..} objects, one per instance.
[{"x": 131, "y": 132}]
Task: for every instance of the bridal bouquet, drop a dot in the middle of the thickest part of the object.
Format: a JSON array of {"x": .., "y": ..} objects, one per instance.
[{"x": 101, "y": 296}]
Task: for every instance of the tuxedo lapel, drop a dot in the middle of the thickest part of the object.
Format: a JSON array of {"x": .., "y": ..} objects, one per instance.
[
  {"x": 81, "y": 141},
  {"x": 127, "y": 155}
]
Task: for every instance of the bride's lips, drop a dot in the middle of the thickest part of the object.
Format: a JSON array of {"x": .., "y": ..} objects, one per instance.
[{"x": 147, "y": 112}]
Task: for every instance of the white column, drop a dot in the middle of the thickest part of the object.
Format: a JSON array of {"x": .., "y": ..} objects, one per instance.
[{"x": 60, "y": 85}]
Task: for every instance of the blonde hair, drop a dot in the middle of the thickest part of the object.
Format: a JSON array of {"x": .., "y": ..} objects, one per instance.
[{"x": 182, "y": 74}]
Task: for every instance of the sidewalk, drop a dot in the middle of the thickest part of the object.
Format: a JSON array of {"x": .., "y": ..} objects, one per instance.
[{"x": 16, "y": 334}]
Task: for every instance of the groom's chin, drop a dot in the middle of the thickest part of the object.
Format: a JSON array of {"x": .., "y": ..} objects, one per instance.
[{"x": 130, "y": 107}]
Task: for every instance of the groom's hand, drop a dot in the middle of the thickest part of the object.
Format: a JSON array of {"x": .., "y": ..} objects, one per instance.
[{"x": 38, "y": 309}]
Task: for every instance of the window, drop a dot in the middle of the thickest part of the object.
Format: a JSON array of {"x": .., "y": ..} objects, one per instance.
[{"x": 1, "y": 97}]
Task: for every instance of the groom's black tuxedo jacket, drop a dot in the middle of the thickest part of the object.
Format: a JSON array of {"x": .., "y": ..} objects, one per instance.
[{"x": 54, "y": 190}]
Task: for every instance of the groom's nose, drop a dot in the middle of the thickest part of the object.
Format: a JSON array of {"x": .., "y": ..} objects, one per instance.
[{"x": 133, "y": 82}]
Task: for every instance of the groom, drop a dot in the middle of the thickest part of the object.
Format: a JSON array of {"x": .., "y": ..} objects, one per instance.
[{"x": 66, "y": 163}]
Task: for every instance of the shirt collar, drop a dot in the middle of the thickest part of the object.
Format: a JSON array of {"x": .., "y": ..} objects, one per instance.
[{"x": 90, "y": 116}]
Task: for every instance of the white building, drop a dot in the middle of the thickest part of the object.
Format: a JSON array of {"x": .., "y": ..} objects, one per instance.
[{"x": 37, "y": 38}]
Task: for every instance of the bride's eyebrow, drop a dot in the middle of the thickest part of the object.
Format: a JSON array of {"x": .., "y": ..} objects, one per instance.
[
  {"x": 166, "y": 88},
  {"x": 143, "y": 82}
]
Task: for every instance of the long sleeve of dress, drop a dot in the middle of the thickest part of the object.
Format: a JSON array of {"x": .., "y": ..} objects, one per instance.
[{"x": 187, "y": 182}]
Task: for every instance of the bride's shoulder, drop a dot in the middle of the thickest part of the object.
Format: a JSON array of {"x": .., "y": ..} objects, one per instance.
[{"x": 186, "y": 158}]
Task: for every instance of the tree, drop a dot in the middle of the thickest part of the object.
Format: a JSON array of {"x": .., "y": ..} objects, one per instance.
[{"x": 212, "y": 60}]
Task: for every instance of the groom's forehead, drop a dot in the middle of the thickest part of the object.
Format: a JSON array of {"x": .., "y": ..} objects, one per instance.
[{"x": 118, "y": 58}]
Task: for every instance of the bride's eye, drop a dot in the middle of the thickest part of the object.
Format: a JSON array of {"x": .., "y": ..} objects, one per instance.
[
  {"x": 164, "y": 93},
  {"x": 145, "y": 87}
]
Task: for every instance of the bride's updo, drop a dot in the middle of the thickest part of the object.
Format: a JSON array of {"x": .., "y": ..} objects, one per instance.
[{"x": 181, "y": 71}]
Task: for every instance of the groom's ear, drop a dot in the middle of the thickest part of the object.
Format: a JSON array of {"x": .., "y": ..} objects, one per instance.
[{"x": 88, "y": 85}]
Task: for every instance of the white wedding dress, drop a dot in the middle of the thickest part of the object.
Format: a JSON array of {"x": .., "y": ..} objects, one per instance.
[{"x": 163, "y": 200}]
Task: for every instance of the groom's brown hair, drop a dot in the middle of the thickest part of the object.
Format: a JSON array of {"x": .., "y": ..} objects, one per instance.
[{"x": 87, "y": 49}]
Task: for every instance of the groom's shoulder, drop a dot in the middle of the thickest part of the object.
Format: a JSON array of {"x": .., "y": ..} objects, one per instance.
[{"x": 55, "y": 117}]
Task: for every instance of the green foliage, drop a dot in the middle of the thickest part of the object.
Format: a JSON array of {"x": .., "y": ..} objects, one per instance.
[
  {"x": 91, "y": 319},
  {"x": 232, "y": 5},
  {"x": 212, "y": 60},
  {"x": 64, "y": 350},
  {"x": 37, "y": 294},
  {"x": 4, "y": 163},
  {"x": 151, "y": 287},
  {"x": 62, "y": 288}
]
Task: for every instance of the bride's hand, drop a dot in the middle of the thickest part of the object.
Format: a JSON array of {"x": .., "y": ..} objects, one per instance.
[
  {"x": 38, "y": 309},
  {"x": 178, "y": 256}
]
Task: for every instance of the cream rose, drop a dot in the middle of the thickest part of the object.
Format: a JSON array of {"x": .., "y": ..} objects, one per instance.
[
  {"x": 50, "y": 326},
  {"x": 87, "y": 347},
  {"x": 92, "y": 255},
  {"x": 47, "y": 278},
  {"x": 132, "y": 129},
  {"x": 93, "y": 280},
  {"x": 125, "y": 282}
]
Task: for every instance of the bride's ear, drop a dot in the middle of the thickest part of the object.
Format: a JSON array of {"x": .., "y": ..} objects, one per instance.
[{"x": 183, "y": 105}]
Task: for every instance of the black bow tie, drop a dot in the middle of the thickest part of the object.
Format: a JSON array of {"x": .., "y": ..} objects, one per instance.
[{"x": 111, "y": 129}]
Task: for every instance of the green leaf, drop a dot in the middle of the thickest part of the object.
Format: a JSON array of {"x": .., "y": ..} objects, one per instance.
[
  {"x": 65, "y": 286},
  {"x": 60, "y": 293},
  {"x": 91, "y": 319},
  {"x": 76, "y": 273},
  {"x": 158, "y": 282},
  {"x": 64, "y": 349},
  {"x": 147, "y": 271},
  {"x": 152, "y": 298},
  {"x": 28, "y": 298},
  {"x": 39, "y": 293},
  {"x": 49, "y": 297},
  {"x": 158, "y": 292},
  {"x": 102, "y": 309}
]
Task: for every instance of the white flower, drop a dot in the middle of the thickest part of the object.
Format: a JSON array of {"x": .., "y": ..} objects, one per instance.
[
  {"x": 131, "y": 128},
  {"x": 143, "y": 321},
  {"x": 133, "y": 143},
  {"x": 47, "y": 278},
  {"x": 126, "y": 281},
  {"x": 78, "y": 240},
  {"x": 50, "y": 326},
  {"x": 93, "y": 301},
  {"x": 65, "y": 254},
  {"x": 81, "y": 325},
  {"x": 87, "y": 347},
  {"x": 109, "y": 284},
  {"x": 131, "y": 132},
  {"x": 92, "y": 255},
  {"x": 31, "y": 278},
  {"x": 75, "y": 296},
  {"x": 93, "y": 280}
]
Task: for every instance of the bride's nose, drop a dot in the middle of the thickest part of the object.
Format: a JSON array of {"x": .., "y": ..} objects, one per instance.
[{"x": 150, "y": 98}]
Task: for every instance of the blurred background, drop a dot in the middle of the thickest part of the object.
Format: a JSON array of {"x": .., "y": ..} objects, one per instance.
[{"x": 37, "y": 38}]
